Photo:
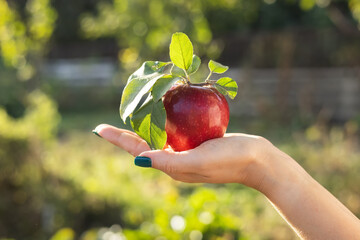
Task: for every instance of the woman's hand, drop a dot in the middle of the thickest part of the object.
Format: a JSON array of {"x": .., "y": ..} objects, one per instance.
[
  {"x": 235, "y": 158},
  {"x": 251, "y": 160}
]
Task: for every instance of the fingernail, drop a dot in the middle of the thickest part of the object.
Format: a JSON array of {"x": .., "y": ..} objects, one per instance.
[
  {"x": 142, "y": 161},
  {"x": 95, "y": 132}
]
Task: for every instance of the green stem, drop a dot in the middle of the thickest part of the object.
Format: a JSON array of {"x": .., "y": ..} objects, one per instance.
[
  {"x": 171, "y": 68},
  {"x": 207, "y": 79},
  {"x": 184, "y": 80},
  {"x": 208, "y": 82},
  {"x": 187, "y": 77}
]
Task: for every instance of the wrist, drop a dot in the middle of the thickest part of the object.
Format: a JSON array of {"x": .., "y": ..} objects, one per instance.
[
  {"x": 256, "y": 172},
  {"x": 282, "y": 174},
  {"x": 271, "y": 171}
]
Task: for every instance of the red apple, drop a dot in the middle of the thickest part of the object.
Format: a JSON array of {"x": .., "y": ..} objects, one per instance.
[{"x": 194, "y": 114}]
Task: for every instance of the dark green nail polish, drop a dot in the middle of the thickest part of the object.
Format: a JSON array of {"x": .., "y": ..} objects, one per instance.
[
  {"x": 142, "y": 161},
  {"x": 95, "y": 132}
]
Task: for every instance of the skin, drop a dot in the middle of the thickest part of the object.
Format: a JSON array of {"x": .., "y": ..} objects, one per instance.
[{"x": 311, "y": 211}]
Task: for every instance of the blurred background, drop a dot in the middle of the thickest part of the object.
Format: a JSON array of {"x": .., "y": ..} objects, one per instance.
[{"x": 63, "y": 65}]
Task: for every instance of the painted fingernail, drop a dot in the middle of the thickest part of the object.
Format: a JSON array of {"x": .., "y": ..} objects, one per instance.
[
  {"x": 96, "y": 133},
  {"x": 142, "y": 161}
]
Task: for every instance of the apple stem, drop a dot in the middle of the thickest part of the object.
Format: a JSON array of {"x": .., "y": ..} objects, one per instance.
[
  {"x": 207, "y": 82},
  {"x": 187, "y": 78},
  {"x": 201, "y": 84},
  {"x": 186, "y": 81},
  {"x": 208, "y": 76}
]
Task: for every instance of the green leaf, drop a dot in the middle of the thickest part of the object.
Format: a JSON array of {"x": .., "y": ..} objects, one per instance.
[
  {"x": 139, "y": 83},
  {"x": 181, "y": 50},
  {"x": 227, "y": 86},
  {"x": 149, "y": 123},
  {"x": 217, "y": 67},
  {"x": 196, "y": 61},
  {"x": 178, "y": 72},
  {"x": 147, "y": 68},
  {"x": 162, "y": 85}
]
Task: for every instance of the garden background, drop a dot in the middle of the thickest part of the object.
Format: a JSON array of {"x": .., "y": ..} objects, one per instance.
[{"x": 63, "y": 65}]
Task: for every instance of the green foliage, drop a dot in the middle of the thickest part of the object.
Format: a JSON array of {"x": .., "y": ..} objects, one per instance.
[
  {"x": 28, "y": 117},
  {"x": 196, "y": 62},
  {"x": 39, "y": 121},
  {"x": 307, "y": 4},
  {"x": 41, "y": 22},
  {"x": 145, "y": 35},
  {"x": 354, "y": 6},
  {"x": 179, "y": 72},
  {"x": 64, "y": 234},
  {"x": 139, "y": 83},
  {"x": 148, "y": 122},
  {"x": 23, "y": 35},
  {"x": 162, "y": 85},
  {"x": 141, "y": 27},
  {"x": 23, "y": 142},
  {"x": 227, "y": 86},
  {"x": 21, "y": 41},
  {"x": 216, "y": 67},
  {"x": 181, "y": 51}
]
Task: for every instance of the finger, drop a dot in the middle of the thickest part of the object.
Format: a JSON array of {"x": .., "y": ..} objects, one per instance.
[
  {"x": 174, "y": 162},
  {"x": 122, "y": 138},
  {"x": 103, "y": 126}
]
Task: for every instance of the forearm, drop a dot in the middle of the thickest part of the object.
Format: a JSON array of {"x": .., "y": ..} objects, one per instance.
[{"x": 307, "y": 206}]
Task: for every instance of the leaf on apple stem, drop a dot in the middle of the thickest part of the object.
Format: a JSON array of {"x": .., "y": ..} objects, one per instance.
[
  {"x": 178, "y": 72},
  {"x": 139, "y": 83},
  {"x": 149, "y": 123},
  {"x": 227, "y": 86},
  {"x": 162, "y": 85},
  {"x": 181, "y": 50},
  {"x": 216, "y": 67},
  {"x": 196, "y": 62}
]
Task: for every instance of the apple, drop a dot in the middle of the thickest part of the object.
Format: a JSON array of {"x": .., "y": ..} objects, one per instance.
[
  {"x": 177, "y": 112},
  {"x": 194, "y": 114}
]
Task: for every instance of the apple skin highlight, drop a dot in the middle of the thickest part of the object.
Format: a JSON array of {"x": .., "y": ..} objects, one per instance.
[{"x": 194, "y": 114}]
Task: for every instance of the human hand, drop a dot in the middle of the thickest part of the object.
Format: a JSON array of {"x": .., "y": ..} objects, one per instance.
[
  {"x": 234, "y": 158},
  {"x": 255, "y": 162}
]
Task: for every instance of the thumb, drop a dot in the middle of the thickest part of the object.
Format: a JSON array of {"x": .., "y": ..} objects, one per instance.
[{"x": 169, "y": 162}]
